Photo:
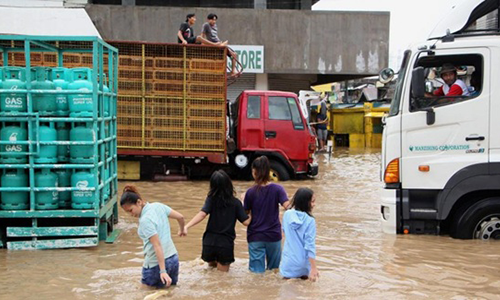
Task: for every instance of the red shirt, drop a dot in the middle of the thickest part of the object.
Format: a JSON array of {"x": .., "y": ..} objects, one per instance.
[{"x": 455, "y": 90}]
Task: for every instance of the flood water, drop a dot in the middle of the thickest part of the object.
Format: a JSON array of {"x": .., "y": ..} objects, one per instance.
[{"x": 355, "y": 259}]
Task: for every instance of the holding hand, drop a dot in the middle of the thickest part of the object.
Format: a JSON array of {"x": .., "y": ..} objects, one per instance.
[{"x": 183, "y": 231}]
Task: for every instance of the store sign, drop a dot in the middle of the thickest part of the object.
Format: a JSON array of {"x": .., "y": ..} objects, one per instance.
[{"x": 251, "y": 57}]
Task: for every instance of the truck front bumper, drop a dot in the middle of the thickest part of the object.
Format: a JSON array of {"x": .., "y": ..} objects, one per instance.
[{"x": 312, "y": 169}]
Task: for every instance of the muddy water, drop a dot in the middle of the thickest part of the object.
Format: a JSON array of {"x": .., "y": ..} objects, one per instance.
[{"x": 356, "y": 260}]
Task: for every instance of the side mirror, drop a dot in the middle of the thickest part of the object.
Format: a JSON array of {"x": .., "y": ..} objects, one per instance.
[
  {"x": 431, "y": 116},
  {"x": 418, "y": 83},
  {"x": 386, "y": 75}
]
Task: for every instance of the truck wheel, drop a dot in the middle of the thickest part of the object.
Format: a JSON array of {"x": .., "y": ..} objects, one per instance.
[
  {"x": 278, "y": 172},
  {"x": 479, "y": 221}
]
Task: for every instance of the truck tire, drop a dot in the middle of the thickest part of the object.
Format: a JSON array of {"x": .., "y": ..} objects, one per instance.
[
  {"x": 278, "y": 171},
  {"x": 479, "y": 221}
]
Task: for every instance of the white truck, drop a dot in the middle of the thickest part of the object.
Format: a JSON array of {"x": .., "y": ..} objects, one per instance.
[{"x": 441, "y": 154}]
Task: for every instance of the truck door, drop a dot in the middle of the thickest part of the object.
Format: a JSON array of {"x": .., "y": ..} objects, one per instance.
[
  {"x": 251, "y": 124},
  {"x": 459, "y": 136},
  {"x": 285, "y": 129}
]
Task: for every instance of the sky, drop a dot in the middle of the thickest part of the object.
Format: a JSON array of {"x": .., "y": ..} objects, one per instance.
[{"x": 411, "y": 20}]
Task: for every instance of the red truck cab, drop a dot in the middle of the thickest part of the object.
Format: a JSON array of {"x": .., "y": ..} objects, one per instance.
[{"x": 271, "y": 123}]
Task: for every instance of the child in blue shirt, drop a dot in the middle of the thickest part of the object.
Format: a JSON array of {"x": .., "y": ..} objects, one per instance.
[
  {"x": 299, "y": 252},
  {"x": 161, "y": 262}
]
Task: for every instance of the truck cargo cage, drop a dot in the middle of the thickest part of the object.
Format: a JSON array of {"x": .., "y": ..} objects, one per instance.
[
  {"x": 58, "y": 140},
  {"x": 172, "y": 97}
]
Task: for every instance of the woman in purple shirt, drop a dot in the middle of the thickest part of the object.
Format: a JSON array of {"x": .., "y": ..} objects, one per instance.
[{"x": 264, "y": 232}]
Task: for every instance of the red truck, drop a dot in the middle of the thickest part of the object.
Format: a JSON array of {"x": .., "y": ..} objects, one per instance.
[
  {"x": 174, "y": 121},
  {"x": 270, "y": 123}
]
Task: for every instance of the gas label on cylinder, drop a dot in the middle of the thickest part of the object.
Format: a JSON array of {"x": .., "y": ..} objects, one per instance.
[
  {"x": 13, "y": 102},
  {"x": 13, "y": 148}
]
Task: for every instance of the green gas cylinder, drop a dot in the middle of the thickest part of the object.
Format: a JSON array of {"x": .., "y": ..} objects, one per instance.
[
  {"x": 81, "y": 105},
  {"x": 45, "y": 104},
  {"x": 46, "y": 199},
  {"x": 82, "y": 153},
  {"x": 48, "y": 153},
  {"x": 62, "y": 135},
  {"x": 64, "y": 180},
  {"x": 12, "y": 154},
  {"x": 83, "y": 199},
  {"x": 60, "y": 78},
  {"x": 14, "y": 200},
  {"x": 13, "y": 79}
]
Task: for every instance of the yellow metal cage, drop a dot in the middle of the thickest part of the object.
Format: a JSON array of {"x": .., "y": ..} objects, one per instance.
[{"x": 171, "y": 97}]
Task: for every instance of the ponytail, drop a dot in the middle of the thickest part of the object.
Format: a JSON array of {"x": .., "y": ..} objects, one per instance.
[{"x": 130, "y": 195}]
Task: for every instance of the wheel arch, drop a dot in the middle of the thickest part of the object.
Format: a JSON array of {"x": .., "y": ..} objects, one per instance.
[{"x": 467, "y": 186}]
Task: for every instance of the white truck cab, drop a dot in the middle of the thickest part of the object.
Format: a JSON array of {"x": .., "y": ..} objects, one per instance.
[{"x": 441, "y": 151}]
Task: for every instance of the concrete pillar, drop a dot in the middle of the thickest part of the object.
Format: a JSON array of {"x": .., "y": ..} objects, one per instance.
[
  {"x": 128, "y": 2},
  {"x": 260, "y": 4},
  {"x": 261, "y": 82}
]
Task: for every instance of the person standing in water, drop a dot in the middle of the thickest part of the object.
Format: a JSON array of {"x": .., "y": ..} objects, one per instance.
[
  {"x": 264, "y": 232},
  {"x": 299, "y": 251},
  {"x": 161, "y": 262},
  {"x": 224, "y": 209}
]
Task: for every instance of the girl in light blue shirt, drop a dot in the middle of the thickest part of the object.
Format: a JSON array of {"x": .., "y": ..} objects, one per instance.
[
  {"x": 161, "y": 262},
  {"x": 299, "y": 226}
]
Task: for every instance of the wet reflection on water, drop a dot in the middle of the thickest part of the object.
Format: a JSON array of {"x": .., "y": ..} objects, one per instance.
[{"x": 355, "y": 259}]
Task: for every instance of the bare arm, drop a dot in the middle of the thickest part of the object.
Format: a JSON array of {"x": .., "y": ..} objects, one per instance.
[
  {"x": 286, "y": 204},
  {"x": 180, "y": 219},
  {"x": 314, "y": 274},
  {"x": 196, "y": 219},
  {"x": 247, "y": 221},
  {"x": 179, "y": 35},
  {"x": 155, "y": 241}
]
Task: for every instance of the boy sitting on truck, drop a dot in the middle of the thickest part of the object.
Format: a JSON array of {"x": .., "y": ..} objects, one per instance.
[
  {"x": 209, "y": 32},
  {"x": 186, "y": 33}
]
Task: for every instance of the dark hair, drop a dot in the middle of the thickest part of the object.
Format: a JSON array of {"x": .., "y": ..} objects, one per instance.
[
  {"x": 301, "y": 201},
  {"x": 212, "y": 16},
  {"x": 189, "y": 16},
  {"x": 262, "y": 169},
  {"x": 221, "y": 188},
  {"x": 130, "y": 195}
]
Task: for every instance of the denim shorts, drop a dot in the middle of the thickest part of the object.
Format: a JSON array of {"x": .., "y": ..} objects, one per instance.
[
  {"x": 151, "y": 276},
  {"x": 262, "y": 254}
]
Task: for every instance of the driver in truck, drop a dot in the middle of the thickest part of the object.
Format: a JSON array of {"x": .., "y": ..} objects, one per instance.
[{"x": 452, "y": 85}]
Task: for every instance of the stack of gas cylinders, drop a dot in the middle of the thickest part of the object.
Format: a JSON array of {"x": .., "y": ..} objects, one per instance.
[{"x": 48, "y": 122}]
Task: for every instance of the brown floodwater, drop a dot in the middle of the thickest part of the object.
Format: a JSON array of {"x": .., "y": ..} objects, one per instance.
[{"x": 355, "y": 259}]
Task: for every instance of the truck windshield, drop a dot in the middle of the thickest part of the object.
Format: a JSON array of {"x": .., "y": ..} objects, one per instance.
[{"x": 396, "y": 101}]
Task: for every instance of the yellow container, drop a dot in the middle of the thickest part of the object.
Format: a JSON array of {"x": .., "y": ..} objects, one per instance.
[
  {"x": 356, "y": 140},
  {"x": 129, "y": 170},
  {"x": 348, "y": 120}
]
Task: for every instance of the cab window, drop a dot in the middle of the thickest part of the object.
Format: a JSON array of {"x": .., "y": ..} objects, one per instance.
[
  {"x": 296, "y": 118},
  {"x": 253, "y": 107},
  {"x": 278, "y": 109},
  {"x": 448, "y": 79}
]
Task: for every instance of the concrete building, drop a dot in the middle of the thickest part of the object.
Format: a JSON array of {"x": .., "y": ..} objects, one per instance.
[{"x": 284, "y": 45}]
